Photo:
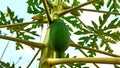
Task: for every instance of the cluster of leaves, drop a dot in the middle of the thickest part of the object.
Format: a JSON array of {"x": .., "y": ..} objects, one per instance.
[
  {"x": 6, "y": 65},
  {"x": 72, "y": 20},
  {"x": 98, "y": 4},
  {"x": 35, "y": 6},
  {"x": 100, "y": 35},
  {"x": 113, "y": 5},
  {"x": 22, "y": 32}
]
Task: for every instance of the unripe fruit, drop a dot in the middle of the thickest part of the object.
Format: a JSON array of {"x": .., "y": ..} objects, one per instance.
[{"x": 59, "y": 37}]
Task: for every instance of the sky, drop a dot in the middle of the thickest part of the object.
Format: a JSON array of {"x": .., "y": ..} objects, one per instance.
[{"x": 20, "y": 9}]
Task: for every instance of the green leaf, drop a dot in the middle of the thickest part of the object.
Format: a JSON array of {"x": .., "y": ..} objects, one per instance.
[
  {"x": 34, "y": 26},
  {"x": 18, "y": 46},
  {"x": 98, "y": 4},
  {"x": 40, "y": 1},
  {"x": 72, "y": 20},
  {"x": 69, "y": 28},
  {"x": 3, "y": 17},
  {"x": 78, "y": 33},
  {"x": 111, "y": 41},
  {"x": 108, "y": 48},
  {"x": 34, "y": 33},
  {"x": 34, "y": 6},
  {"x": 119, "y": 1},
  {"x": 118, "y": 24},
  {"x": 75, "y": 3},
  {"x": 20, "y": 20},
  {"x": 26, "y": 37},
  {"x": 94, "y": 42},
  {"x": 11, "y": 14},
  {"x": 30, "y": 2},
  {"x": 81, "y": 43},
  {"x": 102, "y": 43},
  {"x": 108, "y": 3},
  {"x": 35, "y": 10},
  {"x": 95, "y": 25},
  {"x": 100, "y": 21},
  {"x": 111, "y": 25},
  {"x": 92, "y": 53},
  {"x": 29, "y": 9},
  {"x": 6, "y": 65}
]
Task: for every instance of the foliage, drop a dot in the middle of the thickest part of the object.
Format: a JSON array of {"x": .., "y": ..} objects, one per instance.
[
  {"x": 22, "y": 32},
  {"x": 6, "y": 65},
  {"x": 100, "y": 34}
]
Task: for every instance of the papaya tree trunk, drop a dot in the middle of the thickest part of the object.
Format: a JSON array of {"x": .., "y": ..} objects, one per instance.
[{"x": 45, "y": 53}]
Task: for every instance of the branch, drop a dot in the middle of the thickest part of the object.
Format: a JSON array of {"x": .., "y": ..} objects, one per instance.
[
  {"x": 47, "y": 10},
  {"x": 50, "y": 4},
  {"x": 24, "y": 23},
  {"x": 33, "y": 58},
  {"x": 100, "y": 11},
  {"x": 29, "y": 43},
  {"x": 5, "y": 48},
  {"x": 52, "y": 61},
  {"x": 95, "y": 50},
  {"x": 76, "y": 7},
  {"x": 87, "y": 56}
]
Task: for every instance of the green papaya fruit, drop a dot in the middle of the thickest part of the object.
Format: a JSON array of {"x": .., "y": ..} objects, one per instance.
[{"x": 59, "y": 37}]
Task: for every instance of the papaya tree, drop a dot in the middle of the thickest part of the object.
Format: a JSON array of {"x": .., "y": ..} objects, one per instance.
[{"x": 63, "y": 19}]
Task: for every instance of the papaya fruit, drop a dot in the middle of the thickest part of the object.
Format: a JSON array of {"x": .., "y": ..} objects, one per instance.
[{"x": 59, "y": 37}]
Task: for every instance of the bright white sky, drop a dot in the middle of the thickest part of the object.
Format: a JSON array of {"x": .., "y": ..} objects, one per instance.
[{"x": 20, "y": 9}]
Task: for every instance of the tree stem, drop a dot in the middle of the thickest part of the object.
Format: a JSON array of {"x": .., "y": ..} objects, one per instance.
[
  {"x": 76, "y": 7},
  {"x": 33, "y": 58},
  {"x": 95, "y": 50},
  {"x": 53, "y": 61},
  {"x": 24, "y": 23},
  {"x": 47, "y": 11},
  {"x": 99, "y": 11},
  {"x": 29, "y": 43},
  {"x": 87, "y": 56}
]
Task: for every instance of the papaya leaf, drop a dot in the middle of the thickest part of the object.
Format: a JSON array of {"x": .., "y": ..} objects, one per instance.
[
  {"x": 98, "y": 4},
  {"x": 19, "y": 46},
  {"x": 100, "y": 21},
  {"x": 82, "y": 32},
  {"x": 34, "y": 6},
  {"x": 11, "y": 15},
  {"x": 29, "y": 9},
  {"x": 102, "y": 43},
  {"x": 95, "y": 25},
  {"x": 72, "y": 20},
  {"x": 108, "y": 3},
  {"x": 91, "y": 53},
  {"x": 112, "y": 24},
  {"x": 7, "y": 65},
  {"x": 113, "y": 5},
  {"x": 75, "y": 3},
  {"x": 119, "y": 1},
  {"x": 69, "y": 28},
  {"x": 2, "y": 18}
]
